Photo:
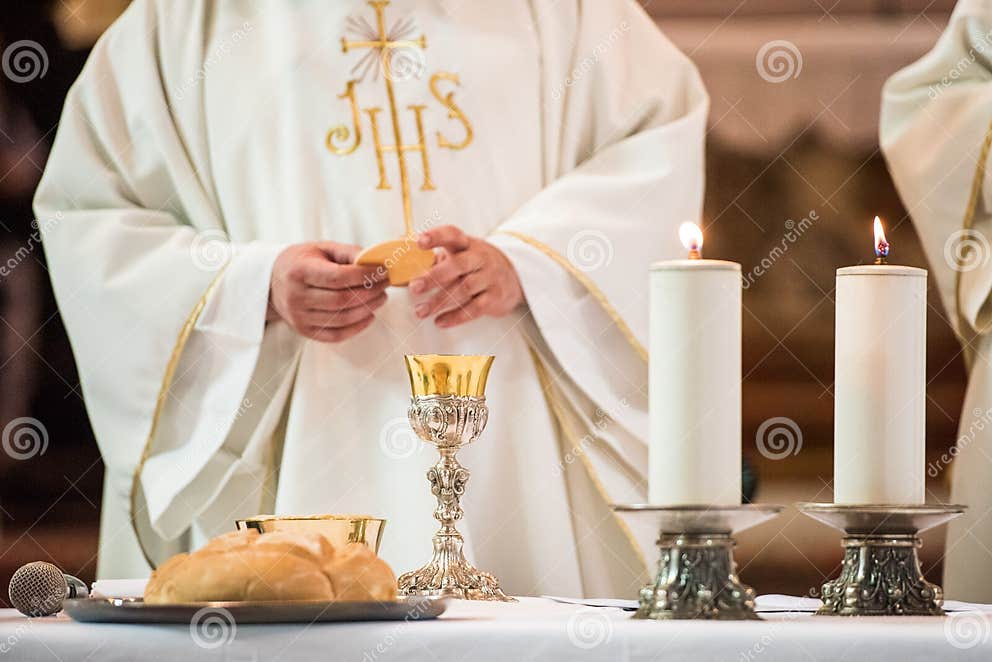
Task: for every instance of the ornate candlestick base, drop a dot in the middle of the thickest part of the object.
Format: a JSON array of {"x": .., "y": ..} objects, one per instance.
[
  {"x": 449, "y": 410},
  {"x": 881, "y": 573},
  {"x": 697, "y": 577}
]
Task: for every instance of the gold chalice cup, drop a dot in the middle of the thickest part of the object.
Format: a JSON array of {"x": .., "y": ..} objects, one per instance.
[{"x": 449, "y": 410}]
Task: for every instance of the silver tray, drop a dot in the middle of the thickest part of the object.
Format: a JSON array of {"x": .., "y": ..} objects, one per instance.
[{"x": 134, "y": 610}]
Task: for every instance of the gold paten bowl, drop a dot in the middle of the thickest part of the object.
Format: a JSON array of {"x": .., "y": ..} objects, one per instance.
[{"x": 338, "y": 529}]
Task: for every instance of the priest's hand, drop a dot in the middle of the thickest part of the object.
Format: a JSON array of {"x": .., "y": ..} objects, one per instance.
[
  {"x": 317, "y": 290},
  {"x": 472, "y": 277}
]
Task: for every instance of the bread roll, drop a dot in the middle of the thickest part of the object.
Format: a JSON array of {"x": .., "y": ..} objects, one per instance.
[
  {"x": 229, "y": 541},
  {"x": 161, "y": 578},
  {"x": 282, "y": 565},
  {"x": 358, "y": 574},
  {"x": 244, "y": 574}
]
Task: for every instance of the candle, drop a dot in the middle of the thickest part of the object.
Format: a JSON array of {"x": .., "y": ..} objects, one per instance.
[
  {"x": 880, "y": 382},
  {"x": 695, "y": 379}
]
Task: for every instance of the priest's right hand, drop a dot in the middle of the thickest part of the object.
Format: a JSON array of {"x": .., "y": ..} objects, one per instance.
[{"x": 317, "y": 290}]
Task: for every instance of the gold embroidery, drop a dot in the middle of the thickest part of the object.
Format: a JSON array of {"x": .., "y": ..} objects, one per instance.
[
  {"x": 559, "y": 410},
  {"x": 964, "y": 328},
  {"x": 163, "y": 394},
  {"x": 386, "y": 46},
  {"x": 373, "y": 114},
  {"x": 593, "y": 289},
  {"x": 343, "y": 132},
  {"x": 454, "y": 111},
  {"x": 382, "y": 45},
  {"x": 418, "y": 113}
]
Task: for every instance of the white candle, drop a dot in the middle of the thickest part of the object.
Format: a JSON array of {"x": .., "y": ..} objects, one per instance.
[
  {"x": 880, "y": 383},
  {"x": 695, "y": 380}
]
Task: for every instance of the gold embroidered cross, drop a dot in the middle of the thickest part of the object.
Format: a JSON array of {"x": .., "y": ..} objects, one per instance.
[{"x": 386, "y": 47}]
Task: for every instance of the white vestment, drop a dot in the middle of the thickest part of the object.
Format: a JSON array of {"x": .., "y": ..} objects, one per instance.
[
  {"x": 936, "y": 133},
  {"x": 199, "y": 141}
]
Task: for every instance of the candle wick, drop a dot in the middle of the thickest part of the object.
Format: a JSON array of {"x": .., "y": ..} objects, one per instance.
[
  {"x": 694, "y": 254},
  {"x": 881, "y": 260}
]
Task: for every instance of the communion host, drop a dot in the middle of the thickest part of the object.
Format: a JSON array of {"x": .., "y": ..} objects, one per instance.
[{"x": 217, "y": 169}]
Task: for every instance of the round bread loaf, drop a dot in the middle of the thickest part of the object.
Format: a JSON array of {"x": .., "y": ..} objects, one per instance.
[
  {"x": 356, "y": 573},
  {"x": 282, "y": 565},
  {"x": 229, "y": 541}
]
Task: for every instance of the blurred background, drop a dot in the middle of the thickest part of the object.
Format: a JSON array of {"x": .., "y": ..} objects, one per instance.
[{"x": 792, "y": 148}]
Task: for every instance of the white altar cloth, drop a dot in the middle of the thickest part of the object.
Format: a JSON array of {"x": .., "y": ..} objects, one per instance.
[{"x": 532, "y": 629}]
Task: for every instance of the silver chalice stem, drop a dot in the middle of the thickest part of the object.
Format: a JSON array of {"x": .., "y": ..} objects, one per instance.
[{"x": 449, "y": 411}]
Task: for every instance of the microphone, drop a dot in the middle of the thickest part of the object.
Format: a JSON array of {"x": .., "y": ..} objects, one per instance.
[{"x": 39, "y": 588}]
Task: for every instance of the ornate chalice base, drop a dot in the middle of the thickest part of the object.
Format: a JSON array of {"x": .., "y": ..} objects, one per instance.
[
  {"x": 697, "y": 576},
  {"x": 881, "y": 573},
  {"x": 449, "y": 422}
]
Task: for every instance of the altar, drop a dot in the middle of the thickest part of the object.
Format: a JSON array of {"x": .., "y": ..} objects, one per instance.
[
  {"x": 614, "y": 435},
  {"x": 531, "y": 629}
]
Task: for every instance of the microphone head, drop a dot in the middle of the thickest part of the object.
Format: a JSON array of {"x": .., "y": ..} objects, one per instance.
[{"x": 38, "y": 589}]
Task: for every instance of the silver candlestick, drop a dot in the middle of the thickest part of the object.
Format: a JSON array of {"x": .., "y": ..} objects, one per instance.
[
  {"x": 881, "y": 573},
  {"x": 449, "y": 411},
  {"x": 697, "y": 577}
]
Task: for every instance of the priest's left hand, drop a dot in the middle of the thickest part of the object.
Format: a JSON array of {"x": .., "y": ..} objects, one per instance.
[{"x": 472, "y": 277}]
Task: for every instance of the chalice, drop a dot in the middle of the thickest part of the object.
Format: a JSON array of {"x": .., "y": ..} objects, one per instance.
[{"x": 448, "y": 409}]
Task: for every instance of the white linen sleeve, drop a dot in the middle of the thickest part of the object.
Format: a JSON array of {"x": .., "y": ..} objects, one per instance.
[
  {"x": 194, "y": 454},
  {"x": 936, "y": 129},
  {"x": 625, "y": 119},
  {"x": 163, "y": 299}
]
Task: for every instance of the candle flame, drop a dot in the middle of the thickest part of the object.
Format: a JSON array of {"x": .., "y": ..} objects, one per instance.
[
  {"x": 881, "y": 243},
  {"x": 692, "y": 238}
]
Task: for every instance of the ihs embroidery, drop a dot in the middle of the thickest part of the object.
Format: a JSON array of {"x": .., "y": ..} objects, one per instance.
[{"x": 399, "y": 57}]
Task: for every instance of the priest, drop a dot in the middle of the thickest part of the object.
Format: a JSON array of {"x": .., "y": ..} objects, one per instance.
[
  {"x": 936, "y": 133},
  {"x": 217, "y": 170}
]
